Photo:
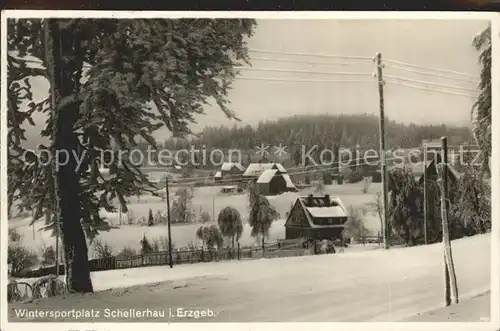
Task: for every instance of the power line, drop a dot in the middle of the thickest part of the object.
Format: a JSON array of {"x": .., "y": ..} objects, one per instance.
[
  {"x": 306, "y": 71},
  {"x": 430, "y": 69},
  {"x": 346, "y": 57},
  {"x": 291, "y": 171},
  {"x": 417, "y": 71},
  {"x": 298, "y": 80},
  {"x": 427, "y": 83},
  {"x": 268, "y": 59},
  {"x": 434, "y": 90}
]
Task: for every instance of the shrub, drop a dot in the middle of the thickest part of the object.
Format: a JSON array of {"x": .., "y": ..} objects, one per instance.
[
  {"x": 127, "y": 253},
  {"x": 49, "y": 256},
  {"x": 102, "y": 250},
  {"x": 354, "y": 177},
  {"x": 21, "y": 258},
  {"x": 14, "y": 236},
  {"x": 204, "y": 217},
  {"x": 355, "y": 225},
  {"x": 150, "y": 218},
  {"x": 160, "y": 244},
  {"x": 146, "y": 246}
]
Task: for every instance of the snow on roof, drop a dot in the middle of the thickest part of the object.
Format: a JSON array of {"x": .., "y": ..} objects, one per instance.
[
  {"x": 227, "y": 166},
  {"x": 336, "y": 211},
  {"x": 218, "y": 174},
  {"x": 266, "y": 176},
  {"x": 280, "y": 167},
  {"x": 256, "y": 169},
  {"x": 288, "y": 180}
]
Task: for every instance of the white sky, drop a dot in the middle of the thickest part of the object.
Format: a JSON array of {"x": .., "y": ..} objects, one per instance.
[{"x": 437, "y": 44}]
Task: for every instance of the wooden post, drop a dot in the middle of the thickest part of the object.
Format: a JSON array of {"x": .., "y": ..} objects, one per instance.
[
  {"x": 451, "y": 290},
  {"x": 425, "y": 195},
  {"x": 168, "y": 225},
  {"x": 380, "y": 81}
]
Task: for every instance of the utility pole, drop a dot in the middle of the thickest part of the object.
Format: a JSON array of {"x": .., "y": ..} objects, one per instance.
[
  {"x": 425, "y": 194},
  {"x": 51, "y": 53},
  {"x": 168, "y": 224},
  {"x": 451, "y": 290},
  {"x": 380, "y": 81}
]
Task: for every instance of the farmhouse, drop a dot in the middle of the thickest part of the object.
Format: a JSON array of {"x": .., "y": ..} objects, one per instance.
[
  {"x": 254, "y": 170},
  {"x": 316, "y": 217},
  {"x": 229, "y": 170},
  {"x": 271, "y": 178}
]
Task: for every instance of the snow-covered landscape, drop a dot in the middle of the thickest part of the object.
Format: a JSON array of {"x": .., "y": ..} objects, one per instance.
[
  {"x": 207, "y": 199},
  {"x": 346, "y": 287},
  {"x": 297, "y": 190}
]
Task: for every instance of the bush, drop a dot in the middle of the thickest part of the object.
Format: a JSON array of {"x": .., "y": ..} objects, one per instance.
[
  {"x": 49, "y": 256},
  {"x": 102, "y": 250},
  {"x": 14, "y": 236},
  {"x": 21, "y": 258},
  {"x": 355, "y": 225},
  {"x": 204, "y": 217},
  {"x": 127, "y": 253},
  {"x": 354, "y": 177},
  {"x": 160, "y": 244}
]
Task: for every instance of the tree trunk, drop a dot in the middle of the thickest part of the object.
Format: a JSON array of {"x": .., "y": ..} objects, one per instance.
[
  {"x": 232, "y": 249},
  {"x": 263, "y": 242},
  {"x": 66, "y": 76}
]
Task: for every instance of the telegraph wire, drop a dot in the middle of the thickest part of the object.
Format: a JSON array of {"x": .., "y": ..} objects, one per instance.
[
  {"x": 428, "y": 83},
  {"x": 345, "y": 57}
]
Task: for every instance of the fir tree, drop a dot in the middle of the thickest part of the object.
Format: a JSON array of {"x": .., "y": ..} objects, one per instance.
[{"x": 144, "y": 74}]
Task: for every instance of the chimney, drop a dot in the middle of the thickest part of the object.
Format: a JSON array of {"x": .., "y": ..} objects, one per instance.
[
  {"x": 327, "y": 200},
  {"x": 309, "y": 200}
]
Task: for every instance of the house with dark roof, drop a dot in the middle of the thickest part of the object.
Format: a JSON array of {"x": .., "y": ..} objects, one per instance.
[{"x": 318, "y": 217}]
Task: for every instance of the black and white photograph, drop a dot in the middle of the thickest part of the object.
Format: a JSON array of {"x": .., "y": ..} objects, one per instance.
[{"x": 248, "y": 168}]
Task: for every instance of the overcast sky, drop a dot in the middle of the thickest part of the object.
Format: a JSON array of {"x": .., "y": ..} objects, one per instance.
[{"x": 436, "y": 44}]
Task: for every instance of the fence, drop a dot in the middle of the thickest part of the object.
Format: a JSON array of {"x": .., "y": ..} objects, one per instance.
[{"x": 283, "y": 248}]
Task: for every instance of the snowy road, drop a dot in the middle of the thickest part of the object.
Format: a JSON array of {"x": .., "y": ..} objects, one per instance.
[{"x": 362, "y": 286}]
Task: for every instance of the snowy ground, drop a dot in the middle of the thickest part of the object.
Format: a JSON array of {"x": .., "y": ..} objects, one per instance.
[
  {"x": 207, "y": 199},
  {"x": 377, "y": 285},
  {"x": 475, "y": 309}
]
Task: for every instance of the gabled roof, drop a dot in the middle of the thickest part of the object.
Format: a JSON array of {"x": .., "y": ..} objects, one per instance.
[
  {"x": 289, "y": 182},
  {"x": 256, "y": 169},
  {"x": 227, "y": 166},
  {"x": 218, "y": 174},
  {"x": 318, "y": 209},
  {"x": 280, "y": 167},
  {"x": 267, "y": 176}
]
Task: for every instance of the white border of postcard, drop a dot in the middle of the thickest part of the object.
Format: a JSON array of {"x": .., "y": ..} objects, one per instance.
[{"x": 494, "y": 323}]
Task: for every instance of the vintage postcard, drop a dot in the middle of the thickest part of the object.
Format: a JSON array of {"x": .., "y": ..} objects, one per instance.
[{"x": 201, "y": 169}]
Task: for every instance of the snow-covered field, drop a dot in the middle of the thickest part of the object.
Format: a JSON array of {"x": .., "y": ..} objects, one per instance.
[
  {"x": 207, "y": 199},
  {"x": 379, "y": 285}
]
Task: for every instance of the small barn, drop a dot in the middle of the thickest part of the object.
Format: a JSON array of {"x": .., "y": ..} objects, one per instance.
[
  {"x": 271, "y": 182},
  {"x": 318, "y": 217},
  {"x": 270, "y": 178},
  {"x": 231, "y": 169},
  {"x": 254, "y": 170},
  {"x": 218, "y": 176}
]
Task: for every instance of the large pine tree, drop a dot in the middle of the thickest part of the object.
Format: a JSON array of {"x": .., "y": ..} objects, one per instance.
[
  {"x": 481, "y": 112},
  {"x": 144, "y": 74}
]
